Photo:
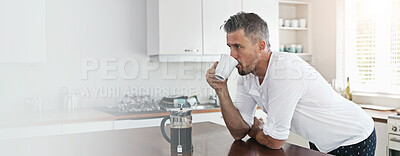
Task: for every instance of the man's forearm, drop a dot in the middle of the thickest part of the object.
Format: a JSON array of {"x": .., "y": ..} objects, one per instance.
[
  {"x": 233, "y": 120},
  {"x": 265, "y": 140}
]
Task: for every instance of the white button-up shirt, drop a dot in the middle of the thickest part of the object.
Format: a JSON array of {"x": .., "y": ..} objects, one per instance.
[{"x": 297, "y": 98}]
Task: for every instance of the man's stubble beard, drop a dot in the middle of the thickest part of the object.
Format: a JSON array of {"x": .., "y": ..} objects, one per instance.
[
  {"x": 252, "y": 68},
  {"x": 243, "y": 72}
]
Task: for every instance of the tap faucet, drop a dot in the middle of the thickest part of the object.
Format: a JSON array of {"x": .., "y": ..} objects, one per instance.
[{"x": 215, "y": 98}]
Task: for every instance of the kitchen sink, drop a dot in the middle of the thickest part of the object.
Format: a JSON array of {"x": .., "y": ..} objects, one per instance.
[{"x": 115, "y": 111}]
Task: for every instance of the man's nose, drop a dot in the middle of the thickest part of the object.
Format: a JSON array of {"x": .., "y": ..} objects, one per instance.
[{"x": 234, "y": 55}]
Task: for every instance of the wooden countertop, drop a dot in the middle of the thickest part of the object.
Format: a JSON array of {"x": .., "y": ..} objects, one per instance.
[
  {"x": 208, "y": 139},
  {"x": 379, "y": 116},
  {"x": 212, "y": 139}
]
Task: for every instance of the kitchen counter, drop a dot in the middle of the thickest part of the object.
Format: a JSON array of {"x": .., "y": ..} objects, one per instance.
[
  {"x": 212, "y": 139},
  {"x": 162, "y": 114},
  {"x": 9, "y": 120},
  {"x": 207, "y": 138},
  {"x": 13, "y": 120},
  {"x": 379, "y": 116}
]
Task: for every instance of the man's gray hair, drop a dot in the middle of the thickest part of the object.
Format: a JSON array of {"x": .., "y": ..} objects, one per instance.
[{"x": 254, "y": 26}]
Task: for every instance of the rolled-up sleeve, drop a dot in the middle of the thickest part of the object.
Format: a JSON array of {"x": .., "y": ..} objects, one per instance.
[{"x": 245, "y": 103}]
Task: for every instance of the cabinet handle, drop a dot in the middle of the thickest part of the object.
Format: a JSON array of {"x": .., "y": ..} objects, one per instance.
[
  {"x": 192, "y": 50},
  {"x": 394, "y": 139}
]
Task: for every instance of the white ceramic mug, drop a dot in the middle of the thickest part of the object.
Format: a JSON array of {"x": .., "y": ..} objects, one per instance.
[
  {"x": 299, "y": 48},
  {"x": 303, "y": 23},
  {"x": 291, "y": 48},
  {"x": 281, "y": 48},
  {"x": 295, "y": 23},
  {"x": 225, "y": 67},
  {"x": 281, "y": 22},
  {"x": 286, "y": 23}
]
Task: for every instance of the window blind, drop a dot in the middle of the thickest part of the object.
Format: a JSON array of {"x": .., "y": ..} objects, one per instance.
[
  {"x": 368, "y": 41},
  {"x": 365, "y": 45},
  {"x": 395, "y": 45}
]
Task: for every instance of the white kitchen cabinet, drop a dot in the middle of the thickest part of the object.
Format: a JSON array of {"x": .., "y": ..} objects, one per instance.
[
  {"x": 31, "y": 131},
  {"x": 55, "y": 129},
  {"x": 84, "y": 127},
  {"x": 381, "y": 138},
  {"x": 215, "y": 12},
  {"x": 215, "y": 117},
  {"x": 188, "y": 31},
  {"x": 138, "y": 123},
  {"x": 23, "y": 31},
  {"x": 267, "y": 10},
  {"x": 174, "y": 27}
]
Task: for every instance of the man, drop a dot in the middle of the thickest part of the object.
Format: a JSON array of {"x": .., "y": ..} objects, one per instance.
[{"x": 293, "y": 94}]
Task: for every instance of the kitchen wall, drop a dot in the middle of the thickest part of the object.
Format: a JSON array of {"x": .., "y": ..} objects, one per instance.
[
  {"x": 114, "y": 33},
  {"x": 104, "y": 40},
  {"x": 324, "y": 36}
]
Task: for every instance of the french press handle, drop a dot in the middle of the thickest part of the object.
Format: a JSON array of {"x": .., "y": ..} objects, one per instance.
[{"x": 163, "y": 128}]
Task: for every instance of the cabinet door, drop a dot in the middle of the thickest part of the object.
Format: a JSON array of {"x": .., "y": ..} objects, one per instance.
[
  {"x": 139, "y": 123},
  {"x": 180, "y": 26},
  {"x": 22, "y": 31},
  {"x": 381, "y": 138},
  {"x": 267, "y": 10},
  {"x": 32, "y": 131},
  {"x": 215, "y": 12},
  {"x": 215, "y": 117},
  {"x": 84, "y": 127}
]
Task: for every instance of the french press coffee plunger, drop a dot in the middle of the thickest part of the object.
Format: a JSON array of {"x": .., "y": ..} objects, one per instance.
[{"x": 180, "y": 130}]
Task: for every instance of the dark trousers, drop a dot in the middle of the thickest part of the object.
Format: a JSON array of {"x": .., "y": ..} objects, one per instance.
[{"x": 363, "y": 148}]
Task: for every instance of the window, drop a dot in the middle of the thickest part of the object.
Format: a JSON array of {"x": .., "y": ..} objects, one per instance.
[
  {"x": 395, "y": 44},
  {"x": 369, "y": 45}
]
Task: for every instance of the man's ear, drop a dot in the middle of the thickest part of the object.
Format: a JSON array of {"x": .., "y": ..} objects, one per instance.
[{"x": 262, "y": 45}]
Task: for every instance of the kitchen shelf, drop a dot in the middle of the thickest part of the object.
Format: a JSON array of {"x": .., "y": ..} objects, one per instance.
[
  {"x": 302, "y": 54},
  {"x": 299, "y": 54},
  {"x": 294, "y": 2},
  {"x": 291, "y": 10},
  {"x": 291, "y": 28}
]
